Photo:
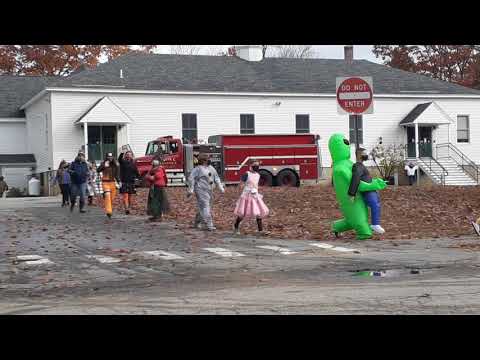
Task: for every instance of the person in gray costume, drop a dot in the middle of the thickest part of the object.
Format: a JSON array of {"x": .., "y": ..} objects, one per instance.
[{"x": 201, "y": 182}]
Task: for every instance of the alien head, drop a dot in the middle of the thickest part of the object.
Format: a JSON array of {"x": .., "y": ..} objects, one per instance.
[{"x": 339, "y": 147}]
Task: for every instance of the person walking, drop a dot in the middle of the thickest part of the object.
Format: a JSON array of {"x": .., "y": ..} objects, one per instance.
[
  {"x": 201, "y": 182},
  {"x": 128, "y": 174},
  {"x": 250, "y": 205},
  {"x": 79, "y": 176},
  {"x": 63, "y": 180},
  {"x": 157, "y": 204},
  {"x": 371, "y": 198},
  {"x": 411, "y": 170},
  {"x": 110, "y": 178},
  {"x": 3, "y": 186},
  {"x": 91, "y": 183}
]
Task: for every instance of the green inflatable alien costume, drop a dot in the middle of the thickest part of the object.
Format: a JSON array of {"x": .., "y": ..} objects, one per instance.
[{"x": 355, "y": 212}]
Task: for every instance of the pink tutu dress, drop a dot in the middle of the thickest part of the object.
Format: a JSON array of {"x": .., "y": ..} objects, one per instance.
[{"x": 250, "y": 204}]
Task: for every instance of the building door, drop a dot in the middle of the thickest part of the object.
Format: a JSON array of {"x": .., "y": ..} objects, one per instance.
[
  {"x": 425, "y": 141},
  {"x": 101, "y": 140},
  {"x": 425, "y": 146}
]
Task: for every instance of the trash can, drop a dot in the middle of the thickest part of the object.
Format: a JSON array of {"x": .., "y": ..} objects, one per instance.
[{"x": 34, "y": 187}]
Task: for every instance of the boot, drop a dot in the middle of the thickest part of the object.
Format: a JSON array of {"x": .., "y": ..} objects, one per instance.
[
  {"x": 90, "y": 200},
  {"x": 72, "y": 206},
  {"x": 82, "y": 205}
]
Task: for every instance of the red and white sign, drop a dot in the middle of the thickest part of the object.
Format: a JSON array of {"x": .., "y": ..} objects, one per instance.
[{"x": 355, "y": 95}]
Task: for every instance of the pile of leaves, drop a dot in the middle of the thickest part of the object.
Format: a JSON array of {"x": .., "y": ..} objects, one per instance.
[{"x": 307, "y": 212}]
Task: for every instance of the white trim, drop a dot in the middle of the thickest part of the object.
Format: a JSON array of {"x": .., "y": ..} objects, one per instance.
[
  {"x": 230, "y": 168},
  {"x": 219, "y": 93},
  {"x": 13, "y": 120},
  {"x": 34, "y": 99}
]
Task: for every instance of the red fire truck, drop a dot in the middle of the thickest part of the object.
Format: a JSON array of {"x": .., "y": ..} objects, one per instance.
[{"x": 285, "y": 160}]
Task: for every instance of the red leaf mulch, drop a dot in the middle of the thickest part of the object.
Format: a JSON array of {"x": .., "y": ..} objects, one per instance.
[{"x": 307, "y": 212}]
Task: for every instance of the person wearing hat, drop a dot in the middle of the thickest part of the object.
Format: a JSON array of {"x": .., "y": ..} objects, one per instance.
[
  {"x": 110, "y": 179},
  {"x": 78, "y": 177},
  {"x": 201, "y": 182}
]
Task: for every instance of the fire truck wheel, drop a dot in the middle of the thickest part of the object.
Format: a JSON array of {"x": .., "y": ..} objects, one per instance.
[
  {"x": 287, "y": 178},
  {"x": 266, "y": 179}
]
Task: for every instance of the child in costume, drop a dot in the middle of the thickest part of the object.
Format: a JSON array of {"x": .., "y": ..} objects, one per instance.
[
  {"x": 250, "y": 205},
  {"x": 201, "y": 183},
  {"x": 110, "y": 179},
  {"x": 92, "y": 179},
  {"x": 371, "y": 198},
  {"x": 157, "y": 204}
]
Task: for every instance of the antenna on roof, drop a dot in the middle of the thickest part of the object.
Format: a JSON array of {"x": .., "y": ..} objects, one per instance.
[{"x": 121, "y": 73}]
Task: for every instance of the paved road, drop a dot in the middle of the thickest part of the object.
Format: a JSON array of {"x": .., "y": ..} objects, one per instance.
[{"x": 55, "y": 262}]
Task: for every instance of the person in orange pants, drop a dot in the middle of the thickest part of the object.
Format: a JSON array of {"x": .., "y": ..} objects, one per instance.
[{"x": 110, "y": 178}]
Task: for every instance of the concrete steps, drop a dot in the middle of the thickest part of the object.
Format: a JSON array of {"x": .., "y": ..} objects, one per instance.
[{"x": 456, "y": 175}]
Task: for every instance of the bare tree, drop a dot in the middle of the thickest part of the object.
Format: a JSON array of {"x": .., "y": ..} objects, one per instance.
[
  {"x": 185, "y": 49},
  {"x": 292, "y": 51},
  {"x": 215, "y": 50}
]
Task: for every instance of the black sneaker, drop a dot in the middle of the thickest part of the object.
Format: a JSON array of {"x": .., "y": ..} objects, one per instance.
[
  {"x": 127, "y": 212},
  {"x": 109, "y": 216},
  {"x": 336, "y": 234},
  {"x": 82, "y": 211},
  {"x": 72, "y": 207}
]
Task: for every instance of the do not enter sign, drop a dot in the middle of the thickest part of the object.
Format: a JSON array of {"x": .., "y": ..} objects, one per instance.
[{"x": 355, "y": 95}]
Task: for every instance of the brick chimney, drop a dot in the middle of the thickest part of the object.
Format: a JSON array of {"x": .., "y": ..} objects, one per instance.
[
  {"x": 250, "y": 52},
  {"x": 348, "y": 53}
]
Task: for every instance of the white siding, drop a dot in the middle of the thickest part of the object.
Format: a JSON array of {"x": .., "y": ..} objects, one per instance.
[
  {"x": 13, "y": 136},
  {"x": 16, "y": 177},
  {"x": 157, "y": 115},
  {"x": 39, "y": 133}
]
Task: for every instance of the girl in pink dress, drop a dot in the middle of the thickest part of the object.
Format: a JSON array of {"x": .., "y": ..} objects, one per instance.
[{"x": 250, "y": 204}]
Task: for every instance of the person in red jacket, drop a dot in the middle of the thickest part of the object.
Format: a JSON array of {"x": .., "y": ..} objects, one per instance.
[{"x": 157, "y": 197}]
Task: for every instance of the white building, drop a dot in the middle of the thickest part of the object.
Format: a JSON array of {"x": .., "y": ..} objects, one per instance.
[{"x": 139, "y": 97}]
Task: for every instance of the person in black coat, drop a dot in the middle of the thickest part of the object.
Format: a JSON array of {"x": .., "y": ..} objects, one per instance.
[
  {"x": 79, "y": 175},
  {"x": 128, "y": 174},
  {"x": 371, "y": 198}
]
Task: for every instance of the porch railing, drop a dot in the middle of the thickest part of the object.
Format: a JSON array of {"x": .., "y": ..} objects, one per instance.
[
  {"x": 450, "y": 151},
  {"x": 426, "y": 164}
]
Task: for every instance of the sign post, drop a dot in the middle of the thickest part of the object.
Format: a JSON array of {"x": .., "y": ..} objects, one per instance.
[{"x": 355, "y": 97}]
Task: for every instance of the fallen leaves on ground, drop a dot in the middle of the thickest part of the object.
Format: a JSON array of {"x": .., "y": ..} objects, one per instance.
[{"x": 307, "y": 212}]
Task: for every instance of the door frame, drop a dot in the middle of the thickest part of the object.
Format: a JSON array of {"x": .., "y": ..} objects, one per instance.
[{"x": 101, "y": 143}]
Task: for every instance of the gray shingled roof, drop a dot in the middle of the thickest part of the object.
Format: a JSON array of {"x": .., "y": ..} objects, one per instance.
[
  {"x": 17, "y": 159},
  {"x": 16, "y": 90},
  {"x": 222, "y": 74},
  {"x": 232, "y": 74},
  {"x": 415, "y": 113}
]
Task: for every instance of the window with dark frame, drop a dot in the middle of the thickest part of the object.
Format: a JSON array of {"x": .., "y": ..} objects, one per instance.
[
  {"x": 247, "y": 124},
  {"x": 463, "y": 129},
  {"x": 189, "y": 127},
  {"x": 353, "y": 139},
  {"x": 302, "y": 124}
]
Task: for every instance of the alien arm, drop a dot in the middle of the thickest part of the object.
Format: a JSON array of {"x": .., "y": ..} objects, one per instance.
[{"x": 376, "y": 184}]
